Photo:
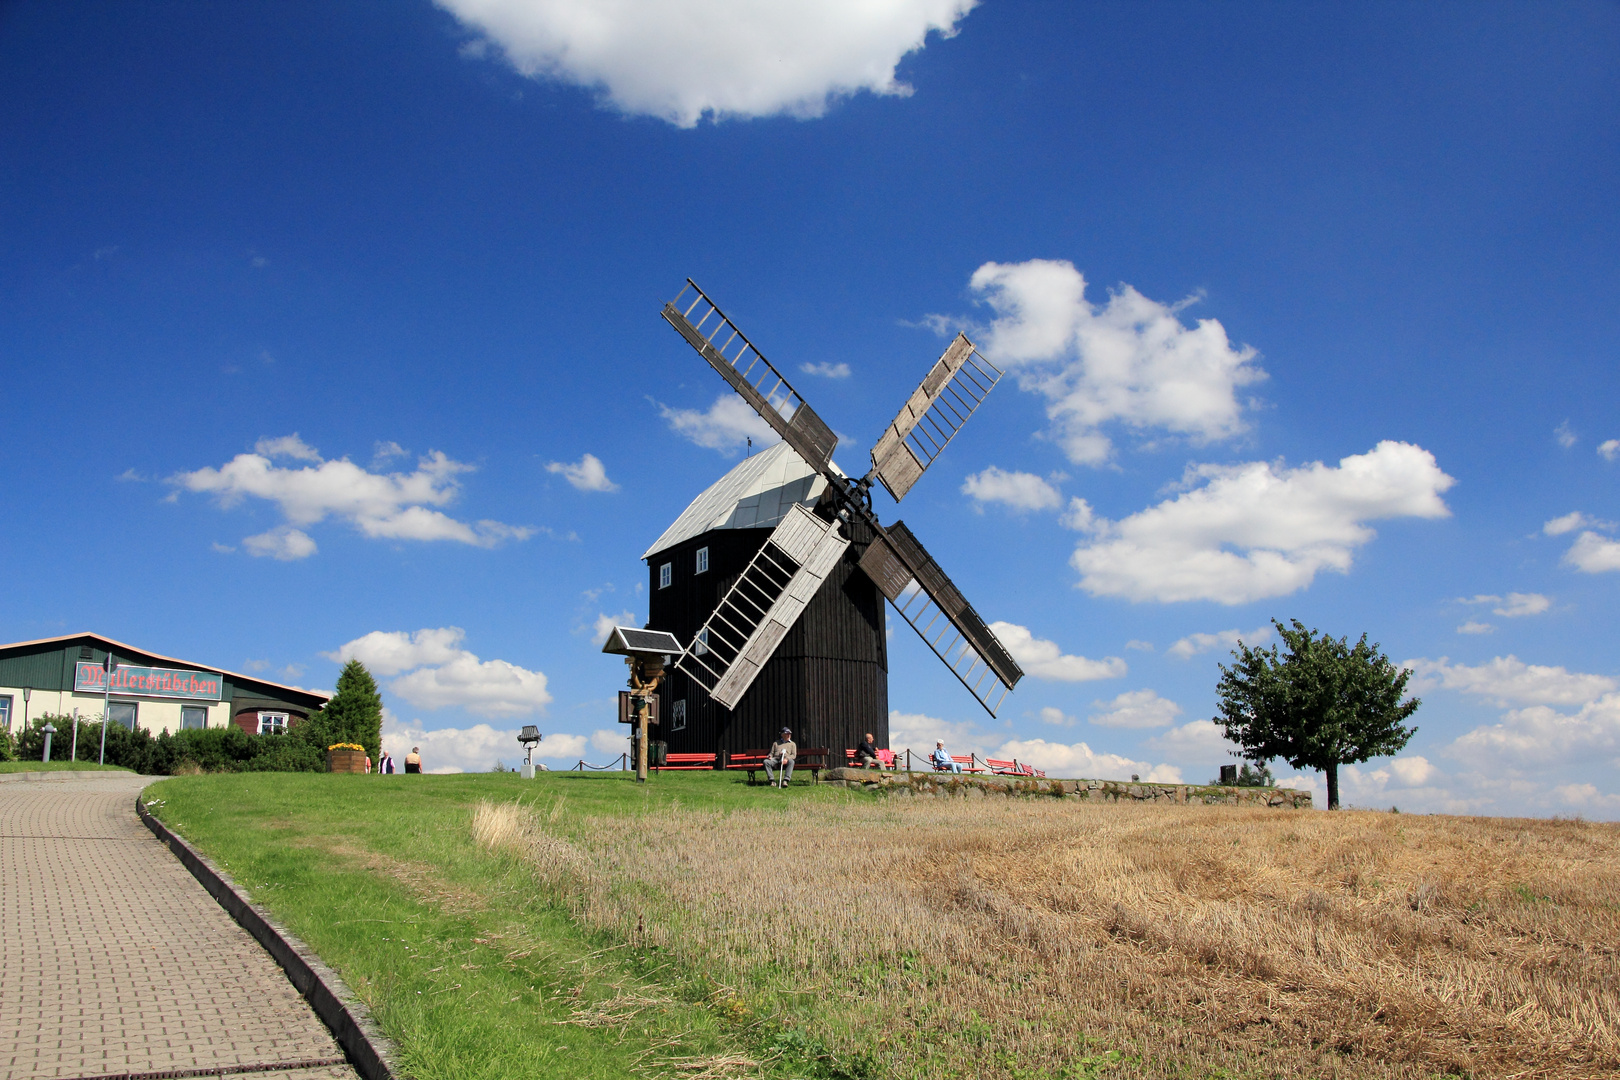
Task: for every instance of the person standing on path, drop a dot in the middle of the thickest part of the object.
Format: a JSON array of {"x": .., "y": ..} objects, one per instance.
[{"x": 413, "y": 760}]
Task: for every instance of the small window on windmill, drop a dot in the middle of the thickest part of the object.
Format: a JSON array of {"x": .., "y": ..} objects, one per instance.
[
  {"x": 701, "y": 645},
  {"x": 665, "y": 572},
  {"x": 677, "y": 716},
  {"x": 702, "y": 560}
]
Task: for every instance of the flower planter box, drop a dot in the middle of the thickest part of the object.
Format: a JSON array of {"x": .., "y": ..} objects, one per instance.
[{"x": 346, "y": 761}]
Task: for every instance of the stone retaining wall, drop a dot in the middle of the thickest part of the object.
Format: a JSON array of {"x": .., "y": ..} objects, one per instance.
[{"x": 979, "y": 785}]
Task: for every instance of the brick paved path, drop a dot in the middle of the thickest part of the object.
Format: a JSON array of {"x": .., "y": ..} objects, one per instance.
[{"x": 115, "y": 961}]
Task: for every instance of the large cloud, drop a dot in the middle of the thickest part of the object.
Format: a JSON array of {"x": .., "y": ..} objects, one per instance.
[
  {"x": 391, "y": 506},
  {"x": 1136, "y": 709},
  {"x": 1507, "y": 680},
  {"x": 435, "y": 672},
  {"x": 1131, "y": 361},
  {"x": 1540, "y": 737},
  {"x": 681, "y": 60},
  {"x": 477, "y": 748},
  {"x": 1190, "y": 646},
  {"x": 919, "y": 731},
  {"x": 1045, "y": 660},
  {"x": 1247, "y": 532}
]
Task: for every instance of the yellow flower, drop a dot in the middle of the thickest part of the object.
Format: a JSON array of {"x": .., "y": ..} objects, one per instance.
[{"x": 345, "y": 746}]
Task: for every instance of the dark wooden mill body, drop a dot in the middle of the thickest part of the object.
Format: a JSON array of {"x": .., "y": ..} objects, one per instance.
[{"x": 828, "y": 680}]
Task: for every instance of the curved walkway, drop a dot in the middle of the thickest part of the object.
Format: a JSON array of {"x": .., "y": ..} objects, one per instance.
[{"x": 116, "y": 963}]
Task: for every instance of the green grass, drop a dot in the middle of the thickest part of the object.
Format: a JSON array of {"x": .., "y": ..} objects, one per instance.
[
  {"x": 473, "y": 972},
  {"x": 57, "y": 766}
]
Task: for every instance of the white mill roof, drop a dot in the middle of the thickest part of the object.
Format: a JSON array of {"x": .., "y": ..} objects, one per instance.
[{"x": 757, "y": 494}]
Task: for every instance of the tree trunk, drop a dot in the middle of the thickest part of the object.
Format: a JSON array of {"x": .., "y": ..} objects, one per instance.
[{"x": 1333, "y": 785}]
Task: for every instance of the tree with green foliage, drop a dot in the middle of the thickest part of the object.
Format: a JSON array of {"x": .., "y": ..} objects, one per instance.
[
  {"x": 353, "y": 715},
  {"x": 1324, "y": 704}
]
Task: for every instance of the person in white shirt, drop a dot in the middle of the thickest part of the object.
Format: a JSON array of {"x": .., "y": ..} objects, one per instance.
[
  {"x": 943, "y": 762},
  {"x": 781, "y": 757}
]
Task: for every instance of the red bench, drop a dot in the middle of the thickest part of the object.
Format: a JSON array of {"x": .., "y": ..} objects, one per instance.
[
  {"x": 686, "y": 761},
  {"x": 811, "y": 758},
  {"x": 885, "y": 758},
  {"x": 1012, "y": 768},
  {"x": 965, "y": 760}
]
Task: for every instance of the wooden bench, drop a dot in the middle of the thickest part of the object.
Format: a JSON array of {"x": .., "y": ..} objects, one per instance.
[
  {"x": 686, "y": 761},
  {"x": 1012, "y": 768},
  {"x": 885, "y": 759},
  {"x": 810, "y": 758},
  {"x": 969, "y": 765}
]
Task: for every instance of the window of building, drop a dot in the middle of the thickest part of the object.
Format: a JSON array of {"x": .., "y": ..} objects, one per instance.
[
  {"x": 5, "y": 711},
  {"x": 677, "y": 716},
  {"x": 701, "y": 645},
  {"x": 702, "y": 560},
  {"x": 272, "y": 723},
  {"x": 193, "y": 718},
  {"x": 123, "y": 713},
  {"x": 665, "y": 573}
]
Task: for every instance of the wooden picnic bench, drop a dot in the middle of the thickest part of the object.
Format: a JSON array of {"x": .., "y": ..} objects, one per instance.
[
  {"x": 811, "y": 758},
  {"x": 687, "y": 761},
  {"x": 885, "y": 759},
  {"x": 969, "y": 765}
]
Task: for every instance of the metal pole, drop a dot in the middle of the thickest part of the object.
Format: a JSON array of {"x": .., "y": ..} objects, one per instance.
[
  {"x": 46, "y": 756},
  {"x": 106, "y": 709},
  {"x": 73, "y": 755},
  {"x": 28, "y": 692}
]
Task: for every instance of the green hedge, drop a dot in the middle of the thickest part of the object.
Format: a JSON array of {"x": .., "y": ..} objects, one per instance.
[{"x": 222, "y": 749}]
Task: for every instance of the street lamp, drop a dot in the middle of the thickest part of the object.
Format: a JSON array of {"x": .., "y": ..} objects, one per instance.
[
  {"x": 529, "y": 738},
  {"x": 28, "y": 692},
  {"x": 49, "y": 730}
]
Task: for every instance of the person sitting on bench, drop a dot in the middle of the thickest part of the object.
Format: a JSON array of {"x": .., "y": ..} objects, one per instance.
[
  {"x": 943, "y": 762},
  {"x": 781, "y": 756},
  {"x": 866, "y": 755}
]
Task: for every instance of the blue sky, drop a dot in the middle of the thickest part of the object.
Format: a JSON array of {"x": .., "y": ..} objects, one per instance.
[{"x": 1310, "y": 307}]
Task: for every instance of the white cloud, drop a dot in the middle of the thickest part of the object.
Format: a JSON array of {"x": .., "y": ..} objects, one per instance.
[
  {"x": 1051, "y": 715},
  {"x": 1201, "y": 742},
  {"x": 1593, "y": 554},
  {"x": 827, "y": 370},
  {"x": 1584, "y": 795},
  {"x": 435, "y": 672},
  {"x": 449, "y": 750},
  {"x": 1078, "y": 760},
  {"x": 287, "y": 446},
  {"x": 1080, "y": 517},
  {"x": 386, "y": 451},
  {"x": 1558, "y": 526},
  {"x": 1136, "y": 709},
  {"x": 1259, "y": 530},
  {"x": 587, "y": 475},
  {"x": 682, "y": 60},
  {"x": 389, "y": 652},
  {"x": 1020, "y": 491},
  {"x": 1140, "y": 646},
  {"x": 1045, "y": 660},
  {"x": 283, "y": 542},
  {"x": 1131, "y": 361},
  {"x": 1509, "y": 680},
  {"x": 919, "y": 731},
  {"x": 604, "y": 741},
  {"x": 726, "y": 426},
  {"x": 1540, "y": 737},
  {"x": 1471, "y": 627},
  {"x": 604, "y": 624},
  {"x": 392, "y": 506},
  {"x": 1515, "y": 605},
  {"x": 1565, "y": 435},
  {"x": 1609, "y": 449},
  {"x": 1193, "y": 644}
]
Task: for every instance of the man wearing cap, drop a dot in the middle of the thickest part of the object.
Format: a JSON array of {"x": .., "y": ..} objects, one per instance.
[{"x": 782, "y": 754}]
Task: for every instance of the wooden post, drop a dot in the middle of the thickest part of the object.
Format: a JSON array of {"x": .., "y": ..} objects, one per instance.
[{"x": 641, "y": 740}]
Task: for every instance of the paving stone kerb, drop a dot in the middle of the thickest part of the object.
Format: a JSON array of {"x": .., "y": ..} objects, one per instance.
[
  {"x": 114, "y": 962},
  {"x": 978, "y": 785}
]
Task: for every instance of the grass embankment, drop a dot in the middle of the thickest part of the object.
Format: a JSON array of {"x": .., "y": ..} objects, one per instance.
[
  {"x": 696, "y": 927},
  {"x": 57, "y": 766}
]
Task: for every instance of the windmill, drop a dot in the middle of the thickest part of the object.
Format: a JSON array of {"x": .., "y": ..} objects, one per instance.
[{"x": 806, "y": 602}]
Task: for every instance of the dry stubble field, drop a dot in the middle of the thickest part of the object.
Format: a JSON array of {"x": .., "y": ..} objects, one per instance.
[{"x": 1037, "y": 937}]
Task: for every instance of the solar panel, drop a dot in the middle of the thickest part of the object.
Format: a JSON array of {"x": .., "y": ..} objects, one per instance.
[{"x": 626, "y": 640}]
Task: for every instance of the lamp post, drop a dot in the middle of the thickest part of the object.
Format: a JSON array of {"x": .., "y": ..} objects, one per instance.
[
  {"x": 529, "y": 738},
  {"x": 28, "y": 692},
  {"x": 49, "y": 730},
  {"x": 106, "y": 708}
]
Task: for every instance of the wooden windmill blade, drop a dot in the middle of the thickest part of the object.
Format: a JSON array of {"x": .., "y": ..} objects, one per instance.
[
  {"x": 738, "y": 639},
  {"x": 919, "y": 590},
  {"x": 957, "y": 384},
  {"x": 728, "y": 350}
]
